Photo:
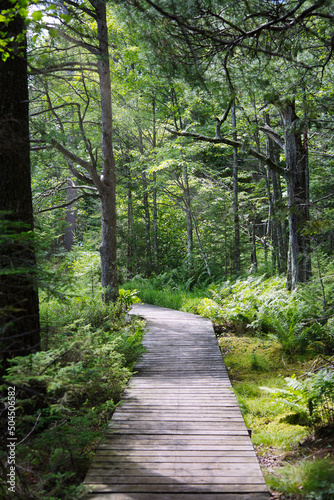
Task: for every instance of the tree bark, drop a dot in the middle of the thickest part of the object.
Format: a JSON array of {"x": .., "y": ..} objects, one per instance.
[
  {"x": 254, "y": 254},
  {"x": 70, "y": 218},
  {"x": 130, "y": 231},
  {"x": 20, "y": 328},
  {"x": 155, "y": 204},
  {"x": 296, "y": 160},
  {"x": 147, "y": 218},
  {"x": 235, "y": 197},
  {"x": 107, "y": 248},
  {"x": 155, "y": 225},
  {"x": 189, "y": 220}
]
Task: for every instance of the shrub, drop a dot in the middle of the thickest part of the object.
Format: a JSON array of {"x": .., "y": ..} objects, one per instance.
[{"x": 66, "y": 393}]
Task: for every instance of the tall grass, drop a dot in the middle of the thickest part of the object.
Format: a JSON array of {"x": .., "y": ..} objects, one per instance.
[{"x": 161, "y": 291}]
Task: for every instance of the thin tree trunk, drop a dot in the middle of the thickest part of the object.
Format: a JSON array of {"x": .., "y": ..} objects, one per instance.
[
  {"x": 280, "y": 230},
  {"x": 235, "y": 197},
  {"x": 225, "y": 247},
  {"x": 70, "y": 218},
  {"x": 155, "y": 204},
  {"x": 187, "y": 199},
  {"x": 147, "y": 218},
  {"x": 206, "y": 263},
  {"x": 254, "y": 254},
  {"x": 155, "y": 225},
  {"x": 130, "y": 235},
  {"x": 306, "y": 239},
  {"x": 147, "y": 215}
]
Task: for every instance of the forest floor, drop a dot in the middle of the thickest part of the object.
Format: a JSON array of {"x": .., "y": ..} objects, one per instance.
[
  {"x": 283, "y": 442},
  {"x": 312, "y": 447}
]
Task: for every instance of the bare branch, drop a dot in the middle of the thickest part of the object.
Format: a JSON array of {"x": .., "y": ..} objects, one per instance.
[
  {"x": 273, "y": 135},
  {"x": 225, "y": 115},
  {"x": 69, "y": 203},
  {"x": 83, "y": 163},
  {"x": 66, "y": 66}
]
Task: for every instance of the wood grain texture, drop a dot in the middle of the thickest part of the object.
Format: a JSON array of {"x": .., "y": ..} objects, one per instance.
[{"x": 179, "y": 433}]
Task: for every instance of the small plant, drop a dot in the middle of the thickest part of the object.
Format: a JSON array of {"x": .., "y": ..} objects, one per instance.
[
  {"x": 312, "y": 399},
  {"x": 311, "y": 480},
  {"x": 127, "y": 298}
]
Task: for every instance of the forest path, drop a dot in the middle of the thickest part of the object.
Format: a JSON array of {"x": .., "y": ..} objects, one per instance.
[{"x": 179, "y": 433}]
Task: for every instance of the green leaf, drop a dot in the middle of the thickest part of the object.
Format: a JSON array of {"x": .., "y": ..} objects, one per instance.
[{"x": 37, "y": 15}]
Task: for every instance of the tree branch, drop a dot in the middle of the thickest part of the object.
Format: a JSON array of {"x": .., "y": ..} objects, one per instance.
[
  {"x": 237, "y": 144},
  {"x": 79, "y": 43},
  {"x": 85, "y": 164},
  {"x": 68, "y": 203},
  {"x": 225, "y": 115},
  {"x": 273, "y": 135}
]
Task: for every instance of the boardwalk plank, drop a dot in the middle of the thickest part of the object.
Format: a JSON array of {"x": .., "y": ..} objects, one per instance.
[{"x": 179, "y": 433}]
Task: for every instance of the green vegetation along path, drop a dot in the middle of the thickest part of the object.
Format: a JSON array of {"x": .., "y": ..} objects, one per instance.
[{"x": 179, "y": 433}]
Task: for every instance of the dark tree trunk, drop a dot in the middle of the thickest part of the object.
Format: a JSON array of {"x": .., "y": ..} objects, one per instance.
[{"x": 19, "y": 328}]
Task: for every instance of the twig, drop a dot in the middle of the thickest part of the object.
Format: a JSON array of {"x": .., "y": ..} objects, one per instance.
[{"x": 32, "y": 430}]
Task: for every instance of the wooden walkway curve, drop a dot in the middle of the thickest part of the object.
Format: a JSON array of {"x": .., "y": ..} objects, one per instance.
[{"x": 179, "y": 433}]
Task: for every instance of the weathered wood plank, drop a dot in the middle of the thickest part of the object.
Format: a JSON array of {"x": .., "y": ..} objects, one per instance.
[
  {"x": 179, "y": 488},
  {"x": 179, "y": 496},
  {"x": 173, "y": 478},
  {"x": 152, "y": 455},
  {"x": 179, "y": 433}
]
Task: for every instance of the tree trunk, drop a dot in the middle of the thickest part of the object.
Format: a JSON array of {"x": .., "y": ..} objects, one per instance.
[
  {"x": 20, "y": 328},
  {"x": 189, "y": 220},
  {"x": 147, "y": 218},
  {"x": 205, "y": 259},
  {"x": 155, "y": 204},
  {"x": 279, "y": 226},
  {"x": 297, "y": 189},
  {"x": 254, "y": 254},
  {"x": 235, "y": 197},
  {"x": 225, "y": 248},
  {"x": 130, "y": 235},
  {"x": 70, "y": 218},
  {"x": 107, "y": 248},
  {"x": 155, "y": 225}
]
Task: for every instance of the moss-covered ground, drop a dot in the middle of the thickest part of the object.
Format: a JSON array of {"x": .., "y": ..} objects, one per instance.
[{"x": 298, "y": 462}]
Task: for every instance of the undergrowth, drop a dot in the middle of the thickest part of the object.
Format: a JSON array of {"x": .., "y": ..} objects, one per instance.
[
  {"x": 284, "y": 435},
  {"x": 66, "y": 393}
]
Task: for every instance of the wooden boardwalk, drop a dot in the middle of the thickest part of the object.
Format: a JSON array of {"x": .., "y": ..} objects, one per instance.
[{"x": 179, "y": 433}]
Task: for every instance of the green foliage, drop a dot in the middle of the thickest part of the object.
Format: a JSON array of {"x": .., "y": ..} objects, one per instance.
[
  {"x": 72, "y": 388},
  {"x": 164, "y": 291},
  {"x": 312, "y": 480},
  {"x": 312, "y": 399},
  {"x": 252, "y": 362},
  {"x": 265, "y": 306}
]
